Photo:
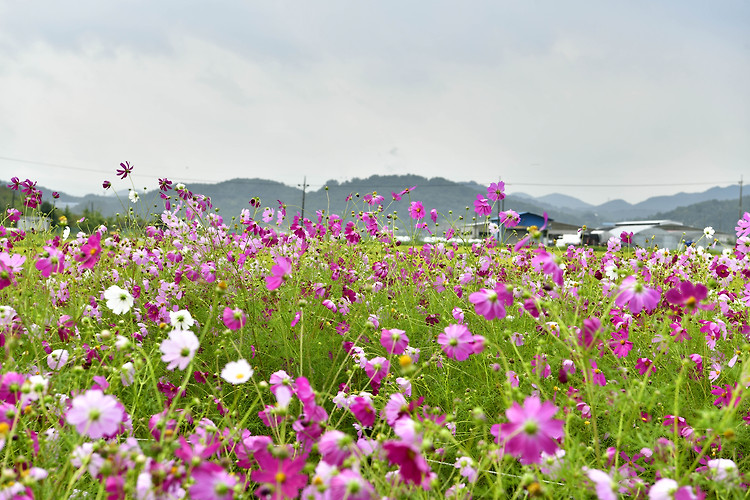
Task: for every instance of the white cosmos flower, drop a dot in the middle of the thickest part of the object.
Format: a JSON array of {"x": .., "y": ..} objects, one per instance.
[
  {"x": 127, "y": 374},
  {"x": 179, "y": 348},
  {"x": 57, "y": 359},
  {"x": 237, "y": 372},
  {"x": 723, "y": 468},
  {"x": 133, "y": 196},
  {"x": 118, "y": 300},
  {"x": 181, "y": 320},
  {"x": 709, "y": 232},
  {"x": 37, "y": 387}
]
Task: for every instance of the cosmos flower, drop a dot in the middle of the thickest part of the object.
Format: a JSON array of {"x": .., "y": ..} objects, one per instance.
[
  {"x": 279, "y": 273},
  {"x": 234, "y": 319},
  {"x": 636, "y": 296},
  {"x": 456, "y": 342},
  {"x": 492, "y": 303},
  {"x": 95, "y": 414},
  {"x": 394, "y": 341},
  {"x": 124, "y": 170},
  {"x": 416, "y": 210},
  {"x": 181, "y": 320},
  {"x": 237, "y": 372},
  {"x": 531, "y": 430},
  {"x": 179, "y": 349},
  {"x": 119, "y": 301}
]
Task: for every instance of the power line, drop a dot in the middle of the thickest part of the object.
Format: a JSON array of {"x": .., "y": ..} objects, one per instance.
[
  {"x": 373, "y": 186},
  {"x": 83, "y": 169}
]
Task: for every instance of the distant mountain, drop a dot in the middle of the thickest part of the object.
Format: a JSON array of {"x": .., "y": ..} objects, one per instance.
[
  {"x": 565, "y": 201},
  {"x": 715, "y": 207},
  {"x": 722, "y": 215}
]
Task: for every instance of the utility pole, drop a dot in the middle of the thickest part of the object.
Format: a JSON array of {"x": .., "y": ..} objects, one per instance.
[
  {"x": 304, "y": 188},
  {"x": 740, "y": 214}
]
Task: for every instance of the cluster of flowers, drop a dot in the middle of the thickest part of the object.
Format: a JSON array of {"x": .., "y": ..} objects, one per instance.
[{"x": 150, "y": 392}]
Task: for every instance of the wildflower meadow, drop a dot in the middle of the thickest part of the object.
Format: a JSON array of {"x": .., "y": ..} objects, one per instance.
[{"x": 196, "y": 354}]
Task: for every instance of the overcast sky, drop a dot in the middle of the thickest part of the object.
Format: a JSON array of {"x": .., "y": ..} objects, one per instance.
[{"x": 642, "y": 97}]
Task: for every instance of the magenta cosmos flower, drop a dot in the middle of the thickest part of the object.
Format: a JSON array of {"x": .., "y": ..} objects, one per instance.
[
  {"x": 482, "y": 206},
  {"x": 279, "y": 272},
  {"x": 212, "y": 482},
  {"x": 530, "y": 431},
  {"x": 234, "y": 319},
  {"x": 283, "y": 474},
  {"x": 687, "y": 294},
  {"x": 95, "y": 414},
  {"x": 90, "y": 251},
  {"x": 413, "y": 467},
  {"x": 51, "y": 261},
  {"x": 416, "y": 210},
  {"x": 456, "y": 342},
  {"x": 394, "y": 341},
  {"x": 637, "y": 296},
  {"x": 496, "y": 191},
  {"x": 492, "y": 303}
]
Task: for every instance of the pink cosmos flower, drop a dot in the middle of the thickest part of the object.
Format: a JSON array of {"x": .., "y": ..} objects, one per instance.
[
  {"x": 598, "y": 375},
  {"x": 394, "y": 341},
  {"x": 283, "y": 474},
  {"x": 510, "y": 218},
  {"x": 90, "y": 251},
  {"x": 496, "y": 191},
  {"x": 416, "y": 210},
  {"x": 482, "y": 206},
  {"x": 637, "y": 296},
  {"x": 590, "y": 327},
  {"x": 669, "y": 489},
  {"x": 547, "y": 263},
  {"x": 492, "y": 303},
  {"x": 434, "y": 215},
  {"x": 279, "y": 272},
  {"x": 351, "y": 485},
  {"x": 9, "y": 266},
  {"x": 51, "y": 261},
  {"x": 724, "y": 395},
  {"x": 335, "y": 447},
  {"x": 413, "y": 467},
  {"x": 603, "y": 484},
  {"x": 377, "y": 369},
  {"x": 212, "y": 482},
  {"x": 95, "y": 414},
  {"x": 234, "y": 319},
  {"x": 456, "y": 342},
  {"x": 363, "y": 411},
  {"x": 620, "y": 343},
  {"x": 512, "y": 378},
  {"x": 10, "y": 386},
  {"x": 688, "y": 295},
  {"x": 645, "y": 366},
  {"x": 530, "y": 431},
  {"x": 179, "y": 349}
]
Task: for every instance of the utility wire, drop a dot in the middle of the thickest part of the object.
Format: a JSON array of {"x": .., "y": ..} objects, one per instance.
[{"x": 373, "y": 186}]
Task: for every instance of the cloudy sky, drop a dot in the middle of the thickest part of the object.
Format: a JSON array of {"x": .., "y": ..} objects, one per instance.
[{"x": 600, "y": 100}]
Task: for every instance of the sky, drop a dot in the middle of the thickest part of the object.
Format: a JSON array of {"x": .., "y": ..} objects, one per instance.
[{"x": 598, "y": 100}]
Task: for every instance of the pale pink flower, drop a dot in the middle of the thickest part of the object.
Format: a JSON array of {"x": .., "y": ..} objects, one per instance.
[
  {"x": 95, "y": 414},
  {"x": 179, "y": 349}
]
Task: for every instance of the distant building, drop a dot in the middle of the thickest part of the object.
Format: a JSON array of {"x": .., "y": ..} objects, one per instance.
[
  {"x": 552, "y": 232},
  {"x": 664, "y": 234},
  {"x": 29, "y": 222}
]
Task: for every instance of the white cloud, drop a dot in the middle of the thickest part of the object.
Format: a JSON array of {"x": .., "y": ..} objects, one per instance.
[{"x": 575, "y": 93}]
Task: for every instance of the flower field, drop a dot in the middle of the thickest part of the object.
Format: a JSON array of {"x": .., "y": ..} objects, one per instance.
[{"x": 267, "y": 355}]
